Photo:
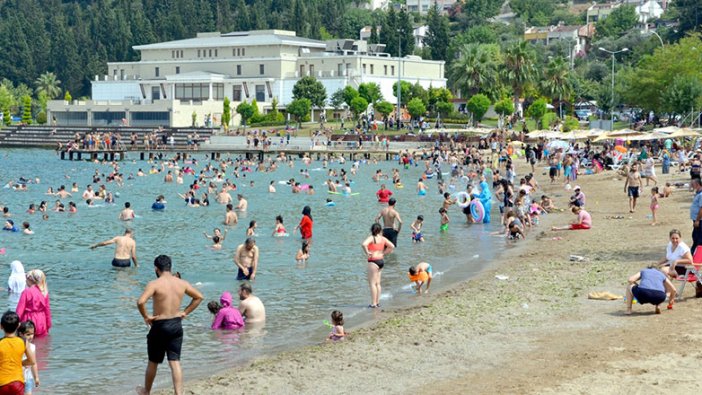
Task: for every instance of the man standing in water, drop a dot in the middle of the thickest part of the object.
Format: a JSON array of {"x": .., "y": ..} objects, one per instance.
[
  {"x": 127, "y": 214},
  {"x": 230, "y": 218},
  {"x": 165, "y": 337},
  {"x": 250, "y": 305},
  {"x": 390, "y": 217},
  {"x": 125, "y": 249},
  {"x": 246, "y": 259}
]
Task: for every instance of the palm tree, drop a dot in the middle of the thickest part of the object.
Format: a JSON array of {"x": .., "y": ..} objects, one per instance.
[
  {"x": 49, "y": 84},
  {"x": 519, "y": 69},
  {"x": 476, "y": 70},
  {"x": 556, "y": 82}
]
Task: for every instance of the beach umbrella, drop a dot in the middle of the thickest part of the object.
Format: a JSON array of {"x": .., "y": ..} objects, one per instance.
[
  {"x": 558, "y": 144},
  {"x": 625, "y": 134},
  {"x": 516, "y": 143},
  {"x": 537, "y": 134},
  {"x": 649, "y": 136},
  {"x": 684, "y": 132},
  {"x": 667, "y": 129}
]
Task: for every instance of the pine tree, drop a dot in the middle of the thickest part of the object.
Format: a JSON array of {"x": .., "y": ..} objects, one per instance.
[
  {"x": 406, "y": 32},
  {"x": 388, "y": 33},
  {"x": 437, "y": 38}
]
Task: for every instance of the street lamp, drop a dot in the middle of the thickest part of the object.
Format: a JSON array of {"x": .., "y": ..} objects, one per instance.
[
  {"x": 659, "y": 37},
  {"x": 399, "y": 80},
  {"x": 611, "y": 109}
]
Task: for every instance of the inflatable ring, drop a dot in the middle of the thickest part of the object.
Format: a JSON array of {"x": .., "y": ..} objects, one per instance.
[
  {"x": 477, "y": 211},
  {"x": 466, "y": 199},
  {"x": 465, "y": 179}
]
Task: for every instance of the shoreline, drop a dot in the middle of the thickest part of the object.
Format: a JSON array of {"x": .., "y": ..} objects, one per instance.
[{"x": 485, "y": 334}]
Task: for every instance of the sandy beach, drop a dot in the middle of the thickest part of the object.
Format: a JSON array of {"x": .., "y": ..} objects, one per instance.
[{"x": 535, "y": 332}]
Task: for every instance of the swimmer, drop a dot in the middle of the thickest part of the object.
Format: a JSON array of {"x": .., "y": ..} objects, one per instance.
[
  {"x": 72, "y": 207},
  {"x": 279, "y": 229},
  {"x": 444, "y": 219},
  {"x": 448, "y": 202},
  {"x": 337, "y": 332},
  {"x": 421, "y": 188},
  {"x": 127, "y": 214},
  {"x": 243, "y": 204},
  {"x": 421, "y": 274},
  {"x": 310, "y": 190},
  {"x": 216, "y": 243},
  {"x": 330, "y": 203},
  {"x": 250, "y": 305},
  {"x": 230, "y": 217},
  {"x": 251, "y": 231},
  {"x": 271, "y": 187},
  {"x": 62, "y": 193},
  {"x": 159, "y": 204},
  {"x": 416, "y": 227},
  {"x": 218, "y": 233},
  {"x": 303, "y": 254},
  {"x": 125, "y": 249},
  {"x": 26, "y": 229},
  {"x": 246, "y": 260}
]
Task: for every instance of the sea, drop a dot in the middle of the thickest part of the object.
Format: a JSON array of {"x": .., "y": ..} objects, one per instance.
[{"x": 98, "y": 340}]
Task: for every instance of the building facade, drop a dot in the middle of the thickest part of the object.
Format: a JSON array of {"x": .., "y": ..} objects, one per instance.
[
  {"x": 177, "y": 81},
  {"x": 423, "y": 6}
]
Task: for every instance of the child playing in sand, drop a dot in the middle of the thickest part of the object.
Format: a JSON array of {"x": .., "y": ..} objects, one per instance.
[
  {"x": 513, "y": 226},
  {"x": 421, "y": 274},
  {"x": 31, "y": 373},
  {"x": 417, "y": 229},
  {"x": 251, "y": 231},
  {"x": 337, "y": 332},
  {"x": 444, "y": 220},
  {"x": 654, "y": 203},
  {"x": 227, "y": 317},
  {"x": 547, "y": 204},
  {"x": 667, "y": 190}
]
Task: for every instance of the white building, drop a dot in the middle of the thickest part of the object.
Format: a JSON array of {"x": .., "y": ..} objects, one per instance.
[
  {"x": 375, "y": 5},
  {"x": 176, "y": 79},
  {"x": 423, "y": 6},
  {"x": 649, "y": 11}
]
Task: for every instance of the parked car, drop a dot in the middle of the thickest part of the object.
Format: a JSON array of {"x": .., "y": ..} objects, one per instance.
[{"x": 583, "y": 114}]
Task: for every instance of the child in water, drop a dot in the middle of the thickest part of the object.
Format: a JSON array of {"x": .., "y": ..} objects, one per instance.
[
  {"x": 444, "y": 219},
  {"x": 417, "y": 229},
  {"x": 251, "y": 231},
  {"x": 31, "y": 373},
  {"x": 303, "y": 254},
  {"x": 226, "y": 316},
  {"x": 654, "y": 204},
  {"x": 279, "y": 230},
  {"x": 337, "y": 332},
  {"x": 217, "y": 242},
  {"x": 421, "y": 274}
]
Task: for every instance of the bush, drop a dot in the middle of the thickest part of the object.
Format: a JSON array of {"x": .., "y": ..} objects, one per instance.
[
  {"x": 41, "y": 118},
  {"x": 570, "y": 124}
]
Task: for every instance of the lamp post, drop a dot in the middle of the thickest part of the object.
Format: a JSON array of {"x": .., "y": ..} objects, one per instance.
[
  {"x": 658, "y": 36},
  {"x": 399, "y": 79},
  {"x": 611, "y": 109}
]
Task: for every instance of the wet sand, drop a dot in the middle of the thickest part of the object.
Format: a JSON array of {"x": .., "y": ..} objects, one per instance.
[{"x": 535, "y": 332}]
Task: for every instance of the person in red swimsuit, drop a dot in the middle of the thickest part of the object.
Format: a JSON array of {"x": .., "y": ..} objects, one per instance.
[
  {"x": 375, "y": 247},
  {"x": 306, "y": 223},
  {"x": 383, "y": 194}
]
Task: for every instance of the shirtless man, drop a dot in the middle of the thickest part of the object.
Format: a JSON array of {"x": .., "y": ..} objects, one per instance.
[
  {"x": 246, "y": 260},
  {"x": 165, "y": 337},
  {"x": 243, "y": 204},
  {"x": 230, "y": 218},
  {"x": 125, "y": 249},
  {"x": 632, "y": 186},
  {"x": 89, "y": 193},
  {"x": 223, "y": 197},
  {"x": 62, "y": 192},
  {"x": 127, "y": 214},
  {"x": 390, "y": 217},
  {"x": 250, "y": 306}
]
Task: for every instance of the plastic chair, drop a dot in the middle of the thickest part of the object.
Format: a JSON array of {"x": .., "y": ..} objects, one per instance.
[{"x": 692, "y": 272}]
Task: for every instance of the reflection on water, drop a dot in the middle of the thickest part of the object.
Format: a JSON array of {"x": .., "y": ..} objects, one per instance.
[{"x": 97, "y": 327}]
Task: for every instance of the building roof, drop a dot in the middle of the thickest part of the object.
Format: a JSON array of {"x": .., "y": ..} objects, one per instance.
[{"x": 239, "y": 39}]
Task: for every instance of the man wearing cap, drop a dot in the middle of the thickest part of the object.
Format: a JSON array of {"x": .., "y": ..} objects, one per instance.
[{"x": 578, "y": 198}]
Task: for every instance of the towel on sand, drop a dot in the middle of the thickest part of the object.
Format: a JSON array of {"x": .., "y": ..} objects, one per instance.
[{"x": 604, "y": 295}]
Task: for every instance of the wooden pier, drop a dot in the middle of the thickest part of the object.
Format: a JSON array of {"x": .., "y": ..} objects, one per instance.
[{"x": 93, "y": 155}]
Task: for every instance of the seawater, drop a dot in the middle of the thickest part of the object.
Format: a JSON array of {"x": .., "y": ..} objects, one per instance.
[{"x": 98, "y": 340}]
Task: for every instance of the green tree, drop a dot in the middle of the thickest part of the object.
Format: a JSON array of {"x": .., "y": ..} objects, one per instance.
[
  {"x": 405, "y": 91},
  {"x": 519, "y": 69},
  {"x": 570, "y": 123},
  {"x": 357, "y": 106},
  {"x": 299, "y": 108},
  {"x": 370, "y": 91},
  {"x": 477, "y": 69},
  {"x": 556, "y": 82},
  {"x": 437, "y": 95},
  {"x": 67, "y": 97},
  {"x": 533, "y": 12},
  {"x": 389, "y": 32},
  {"x": 406, "y": 31},
  {"x": 337, "y": 99},
  {"x": 536, "y": 111},
  {"x": 478, "y": 12},
  {"x": 349, "y": 94},
  {"x": 437, "y": 38},
  {"x": 310, "y": 88},
  {"x": 478, "y": 106},
  {"x": 49, "y": 84},
  {"x": 385, "y": 109},
  {"x": 416, "y": 108},
  {"x": 27, "y": 110},
  {"x": 7, "y": 100},
  {"x": 226, "y": 114},
  {"x": 41, "y": 118},
  {"x": 6, "y": 117},
  {"x": 683, "y": 95},
  {"x": 418, "y": 92},
  {"x": 444, "y": 108},
  {"x": 620, "y": 21},
  {"x": 246, "y": 111},
  {"x": 504, "y": 107}
]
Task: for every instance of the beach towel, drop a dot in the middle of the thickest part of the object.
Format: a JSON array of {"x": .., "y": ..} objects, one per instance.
[{"x": 603, "y": 295}]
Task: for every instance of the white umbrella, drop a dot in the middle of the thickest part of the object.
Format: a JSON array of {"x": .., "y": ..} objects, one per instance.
[
  {"x": 685, "y": 132},
  {"x": 558, "y": 144},
  {"x": 667, "y": 129}
]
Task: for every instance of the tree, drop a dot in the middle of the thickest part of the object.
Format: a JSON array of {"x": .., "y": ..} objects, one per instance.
[
  {"x": 556, "y": 83},
  {"x": 49, "y": 84},
  {"x": 385, "y": 109},
  {"x": 370, "y": 91},
  {"x": 357, "y": 106},
  {"x": 27, "y": 110},
  {"x": 67, "y": 97},
  {"x": 619, "y": 21},
  {"x": 444, "y": 108},
  {"x": 406, "y": 32},
  {"x": 226, "y": 114},
  {"x": 437, "y": 95},
  {"x": 389, "y": 32},
  {"x": 405, "y": 91},
  {"x": 504, "y": 107},
  {"x": 310, "y": 88},
  {"x": 437, "y": 38},
  {"x": 533, "y": 12},
  {"x": 478, "y": 12},
  {"x": 536, "y": 111},
  {"x": 337, "y": 99},
  {"x": 299, "y": 108},
  {"x": 6, "y": 117},
  {"x": 349, "y": 94},
  {"x": 477, "y": 69},
  {"x": 246, "y": 111},
  {"x": 519, "y": 68},
  {"x": 416, "y": 108},
  {"x": 478, "y": 106},
  {"x": 682, "y": 96}
]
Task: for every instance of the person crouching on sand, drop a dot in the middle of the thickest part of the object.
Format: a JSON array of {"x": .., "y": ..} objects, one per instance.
[{"x": 650, "y": 286}]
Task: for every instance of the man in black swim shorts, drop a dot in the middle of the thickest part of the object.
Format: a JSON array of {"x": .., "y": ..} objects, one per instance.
[
  {"x": 392, "y": 223},
  {"x": 166, "y": 335}
]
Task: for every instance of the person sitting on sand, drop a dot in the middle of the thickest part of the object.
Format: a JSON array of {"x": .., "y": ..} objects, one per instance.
[
  {"x": 420, "y": 274},
  {"x": 651, "y": 288},
  {"x": 584, "y": 220},
  {"x": 667, "y": 190},
  {"x": 337, "y": 332}
]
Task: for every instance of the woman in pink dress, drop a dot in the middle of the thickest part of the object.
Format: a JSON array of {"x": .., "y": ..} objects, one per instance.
[{"x": 34, "y": 303}]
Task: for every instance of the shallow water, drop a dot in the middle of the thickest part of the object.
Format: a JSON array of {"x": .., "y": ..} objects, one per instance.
[{"x": 98, "y": 331}]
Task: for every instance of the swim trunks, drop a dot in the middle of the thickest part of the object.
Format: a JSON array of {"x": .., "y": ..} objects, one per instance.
[
  {"x": 378, "y": 262},
  {"x": 13, "y": 387},
  {"x": 422, "y": 192},
  {"x": 240, "y": 275},
  {"x": 165, "y": 339},
  {"x": 430, "y": 270},
  {"x": 633, "y": 192},
  {"x": 121, "y": 262},
  {"x": 417, "y": 236},
  {"x": 390, "y": 234},
  {"x": 443, "y": 227}
]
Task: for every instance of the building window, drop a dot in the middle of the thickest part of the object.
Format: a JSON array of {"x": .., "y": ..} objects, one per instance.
[
  {"x": 372, "y": 69},
  {"x": 302, "y": 70},
  {"x": 210, "y": 53},
  {"x": 192, "y": 91},
  {"x": 215, "y": 53},
  {"x": 173, "y": 54},
  {"x": 261, "y": 69},
  {"x": 238, "y": 69},
  {"x": 218, "y": 91},
  {"x": 260, "y": 93},
  {"x": 340, "y": 69},
  {"x": 198, "y": 54},
  {"x": 364, "y": 68},
  {"x": 392, "y": 70},
  {"x": 177, "y": 69},
  {"x": 312, "y": 70},
  {"x": 243, "y": 52},
  {"x": 236, "y": 93},
  {"x": 157, "y": 71},
  {"x": 385, "y": 69},
  {"x": 155, "y": 93}
]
